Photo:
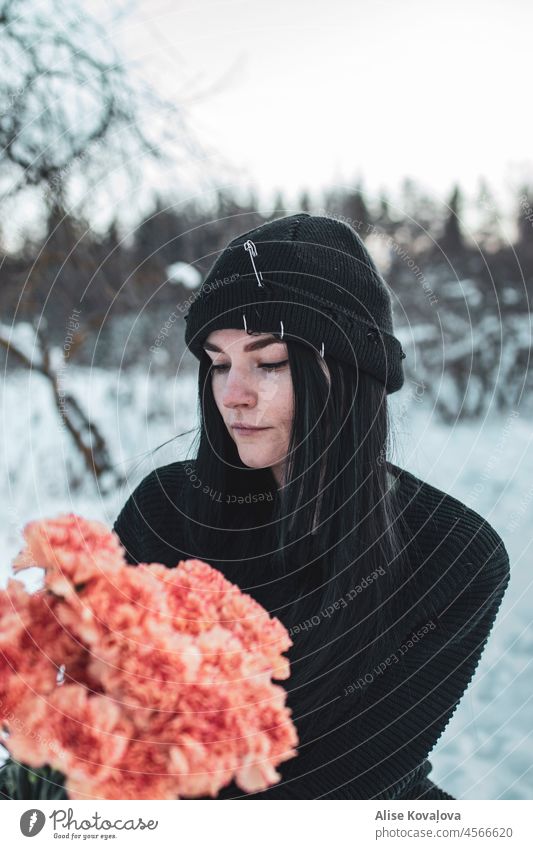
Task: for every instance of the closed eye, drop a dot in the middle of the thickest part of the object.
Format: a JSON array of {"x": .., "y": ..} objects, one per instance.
[{"x": 266, "y": 366}]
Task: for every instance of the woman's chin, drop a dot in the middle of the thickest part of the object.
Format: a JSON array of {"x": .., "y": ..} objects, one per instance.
[
  {"x": 256, "y": 459},
  {"x": 254, "y": 462}
]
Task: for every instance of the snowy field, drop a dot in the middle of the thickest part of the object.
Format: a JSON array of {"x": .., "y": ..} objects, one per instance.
[{"x": 486, "y": 751}]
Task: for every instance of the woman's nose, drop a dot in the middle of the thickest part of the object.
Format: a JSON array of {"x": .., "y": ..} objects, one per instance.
[{"x": 238, "y": 390}]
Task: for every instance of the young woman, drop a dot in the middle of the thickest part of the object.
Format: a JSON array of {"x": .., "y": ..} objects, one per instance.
[{"x": 388, "y": 586}]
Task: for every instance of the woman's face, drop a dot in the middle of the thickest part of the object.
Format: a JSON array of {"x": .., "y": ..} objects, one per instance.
[{"x": 252, "y": 385}]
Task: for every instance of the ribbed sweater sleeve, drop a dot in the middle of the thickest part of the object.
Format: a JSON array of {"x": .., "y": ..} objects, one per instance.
[
  {"x": 127, "y": 526},
  {"x": 374, "y": 750},
  {"x": 149, "y": 523},
  {"x": 130, "y": 522},
  {"x": 414, "y": 698}
]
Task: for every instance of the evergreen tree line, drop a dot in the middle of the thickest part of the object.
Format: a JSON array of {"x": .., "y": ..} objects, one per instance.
[{"x": 448, "y": 284}]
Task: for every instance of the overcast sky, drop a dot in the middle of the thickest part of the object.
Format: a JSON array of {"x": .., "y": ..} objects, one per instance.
[{"x": 321, "y": 93}]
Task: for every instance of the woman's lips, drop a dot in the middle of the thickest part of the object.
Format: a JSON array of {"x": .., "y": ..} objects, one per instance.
[{"x": 248, "y": 431}]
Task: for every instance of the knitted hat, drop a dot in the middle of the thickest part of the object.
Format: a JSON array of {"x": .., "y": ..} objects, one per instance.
[{"x": 304, "y": 277}]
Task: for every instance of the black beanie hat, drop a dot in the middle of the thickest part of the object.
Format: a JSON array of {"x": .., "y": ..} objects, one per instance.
[{"x": 304, "y": 277}]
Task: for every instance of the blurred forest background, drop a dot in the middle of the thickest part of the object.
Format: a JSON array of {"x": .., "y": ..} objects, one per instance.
[
  {"x": 114, "y": 299},
  {"x": 95, "y": 374}
]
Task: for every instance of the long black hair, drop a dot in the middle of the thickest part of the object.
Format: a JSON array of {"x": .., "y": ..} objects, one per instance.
[{"x": 326, "y": 551}]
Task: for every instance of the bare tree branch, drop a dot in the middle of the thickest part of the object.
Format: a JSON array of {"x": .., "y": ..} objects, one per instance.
[{"x": 86, "y": 436}]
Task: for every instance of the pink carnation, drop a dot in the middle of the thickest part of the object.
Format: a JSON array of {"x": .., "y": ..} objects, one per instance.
[
  {"x": 70, "y": 548},
  {"x": 139, "y": 682}
]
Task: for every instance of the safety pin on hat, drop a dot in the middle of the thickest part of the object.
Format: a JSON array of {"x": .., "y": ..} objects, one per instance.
[{"x": 252, "y": 251}]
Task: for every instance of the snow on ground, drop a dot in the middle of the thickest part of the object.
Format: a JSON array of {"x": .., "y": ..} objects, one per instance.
[
  {"x": 486, "y": 752},
  {"x": 38, "y": 462}
]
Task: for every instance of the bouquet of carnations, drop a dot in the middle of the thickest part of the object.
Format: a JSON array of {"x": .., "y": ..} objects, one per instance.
[{"x": 136, "y": 682}]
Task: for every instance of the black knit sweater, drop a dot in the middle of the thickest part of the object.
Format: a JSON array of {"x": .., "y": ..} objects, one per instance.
[{"x": 376, "y": 748}]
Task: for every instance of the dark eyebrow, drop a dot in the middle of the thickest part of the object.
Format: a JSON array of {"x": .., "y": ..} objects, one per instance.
[{"x": 251, "y": 346}]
